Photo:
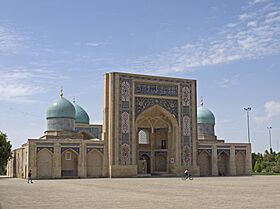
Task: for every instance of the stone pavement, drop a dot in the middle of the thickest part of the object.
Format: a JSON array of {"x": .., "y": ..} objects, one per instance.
[{"x": 133, "y": 193}]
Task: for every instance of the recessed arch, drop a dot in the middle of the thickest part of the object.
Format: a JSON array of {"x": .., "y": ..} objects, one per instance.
[
  {"x": 223, "y": 164},
  {"x": 94, "y": 163},
  {"x": 158, "y": 108},
  {"x": 240, "y": 163},
  {"x": 144, "y": 164},
  {"x": 70, "y": 149},
  {"x": 161, "y": 125},
  {"x": 69, "y": 162},
  {"x": 204, "y": 162},
  {"x": 44, "y": 163}
]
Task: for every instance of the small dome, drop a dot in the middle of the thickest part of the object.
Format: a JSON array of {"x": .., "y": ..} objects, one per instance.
[
  {"x": 61, "y": 108},
  {"x": 81, "y": 115},
  {"x": 204, "y": 115}
]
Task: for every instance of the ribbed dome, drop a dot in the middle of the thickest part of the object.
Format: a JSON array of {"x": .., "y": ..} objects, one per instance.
[
  {"x": 204, "y": 115},
  {"x": 61, "y": 108},
  {"x": 81, "y": 115}
]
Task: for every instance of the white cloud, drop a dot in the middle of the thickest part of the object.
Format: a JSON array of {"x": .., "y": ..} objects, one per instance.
[
  {"x": 19, "y": 85},
  {"x": 244, "y": 16},
  {"x": 253, "y": 2},
  {"x": 256, "y": 33},
  {"x": 229, "y": 82},
  {"x": 272, "y": 14},
  {"x": 10, "y": 41},
  {"x": 272, "y": 109},
  {"x": 94, "y": 44},
  {"x": 252, "y": 24},
  {"x": 90, "y": 44},
  {"x": 231, "y": 25}
]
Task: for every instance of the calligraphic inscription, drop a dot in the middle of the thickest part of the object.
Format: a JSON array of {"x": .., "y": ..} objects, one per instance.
[{"x": 156, "y": 89}]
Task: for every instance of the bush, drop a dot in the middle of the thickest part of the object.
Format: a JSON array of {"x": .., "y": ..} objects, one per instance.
[
  {"x": 269, "y": 162},
  {"x": 276, "y": 168}
]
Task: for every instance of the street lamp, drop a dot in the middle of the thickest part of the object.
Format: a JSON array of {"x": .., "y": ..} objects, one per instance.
[
  {"x": 269, "y": 131},
  {"x": 248, "y": 124}
]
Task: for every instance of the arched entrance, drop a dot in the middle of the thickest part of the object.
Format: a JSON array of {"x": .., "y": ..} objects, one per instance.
[
  {"x": 223, "y": 164},
  {"x": 44, "y": 162},
  {"x": 156, "y": 141},
  {"x": 69, "y": 163},
  {"x": 144, "y": 164},
  {"x": 240, "y": 163},
  {"x": 94, "y": 164},
  {"x": 204, "y": 162}
]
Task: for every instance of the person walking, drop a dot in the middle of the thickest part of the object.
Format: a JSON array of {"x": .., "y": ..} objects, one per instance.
[{"x": 30, "y": 177}]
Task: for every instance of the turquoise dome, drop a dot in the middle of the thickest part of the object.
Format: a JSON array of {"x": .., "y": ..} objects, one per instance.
[
  {"x": 61, "y": 108},
  {"x": 81, "y": 115},
  {"x": 204, "y": 115}
]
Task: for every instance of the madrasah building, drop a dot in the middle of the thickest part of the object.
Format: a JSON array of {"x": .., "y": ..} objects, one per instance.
[{"x": 151, "y": 126}]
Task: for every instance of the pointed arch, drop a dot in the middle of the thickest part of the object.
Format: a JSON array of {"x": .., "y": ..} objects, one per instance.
[
  {"x": 240, "y": 163},
  {"x": 69, "y": 162},
  {"x": 223, "y": 164},
  {"x": 205, "y": 163},
  {"x": 163, "y": 140},
  {"x": 156, "y": 107},
  {"x": 44, "y": 163},
  {"x": 94, "y": 163}
]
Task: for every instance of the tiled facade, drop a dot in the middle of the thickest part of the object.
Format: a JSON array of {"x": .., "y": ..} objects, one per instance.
[{"x": 163, "y": 110}]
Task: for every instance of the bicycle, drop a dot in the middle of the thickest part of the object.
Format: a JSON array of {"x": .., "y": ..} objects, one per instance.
[{"x": 185, "y": 177}]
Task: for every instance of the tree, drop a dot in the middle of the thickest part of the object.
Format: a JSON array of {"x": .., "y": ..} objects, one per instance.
[
  {"x": 5, "y": 152},
  {"x": 258, "y": 166},
  {"x": 269, "y": 162}
]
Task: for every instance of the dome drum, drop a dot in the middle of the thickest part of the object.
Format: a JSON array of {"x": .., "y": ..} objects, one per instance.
[{"x": 61, "y": 124}]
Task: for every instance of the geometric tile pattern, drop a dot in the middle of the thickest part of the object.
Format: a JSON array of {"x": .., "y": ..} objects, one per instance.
[
  {"x": 143, "y": 103},
  {"x": 125, "y": 122},
  {"x": 186, "y": 115}
]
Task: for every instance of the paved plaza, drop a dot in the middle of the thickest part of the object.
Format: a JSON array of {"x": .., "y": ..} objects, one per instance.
[{"x": 213, "y": 192}]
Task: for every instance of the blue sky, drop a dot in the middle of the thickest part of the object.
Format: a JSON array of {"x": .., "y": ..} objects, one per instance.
[{"x": 231, "y": 48}]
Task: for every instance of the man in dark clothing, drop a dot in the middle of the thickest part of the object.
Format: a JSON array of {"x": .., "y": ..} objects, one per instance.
[
  {"x": 186, "y": 172},
  {"x": 29, "y": 177}
]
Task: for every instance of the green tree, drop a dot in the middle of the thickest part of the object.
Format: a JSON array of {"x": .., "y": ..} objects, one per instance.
[
  {"x": 5, "y": 152},
  {"x": 269, "y": 162},
  {"x": 258, "y": 167},
  {"x": 254, "y": 159}
]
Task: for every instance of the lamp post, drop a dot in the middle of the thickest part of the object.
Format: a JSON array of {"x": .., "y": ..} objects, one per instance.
[
  {"x": 248, "y": 123},
  {"x": 269, "y": 131}
]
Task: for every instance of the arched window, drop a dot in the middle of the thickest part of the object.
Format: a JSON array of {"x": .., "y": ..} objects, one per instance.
[{"x": 143, "y": 137}]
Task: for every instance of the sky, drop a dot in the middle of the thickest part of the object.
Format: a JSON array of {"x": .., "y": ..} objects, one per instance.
[{"x": 232, "y": 49}]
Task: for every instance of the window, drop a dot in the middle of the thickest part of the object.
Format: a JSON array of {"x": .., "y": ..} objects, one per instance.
[
  {"x": 143, "y": 137},
  {"x": 68, "y": 155},
  {"x": 163, "y": 144}
]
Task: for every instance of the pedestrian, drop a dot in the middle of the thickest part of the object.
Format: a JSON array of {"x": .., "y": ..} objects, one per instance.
[{"x": 30, "y": 177}]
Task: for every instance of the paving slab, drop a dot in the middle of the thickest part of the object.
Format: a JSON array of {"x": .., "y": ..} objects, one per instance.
[{"x": 256, "y": 192}]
